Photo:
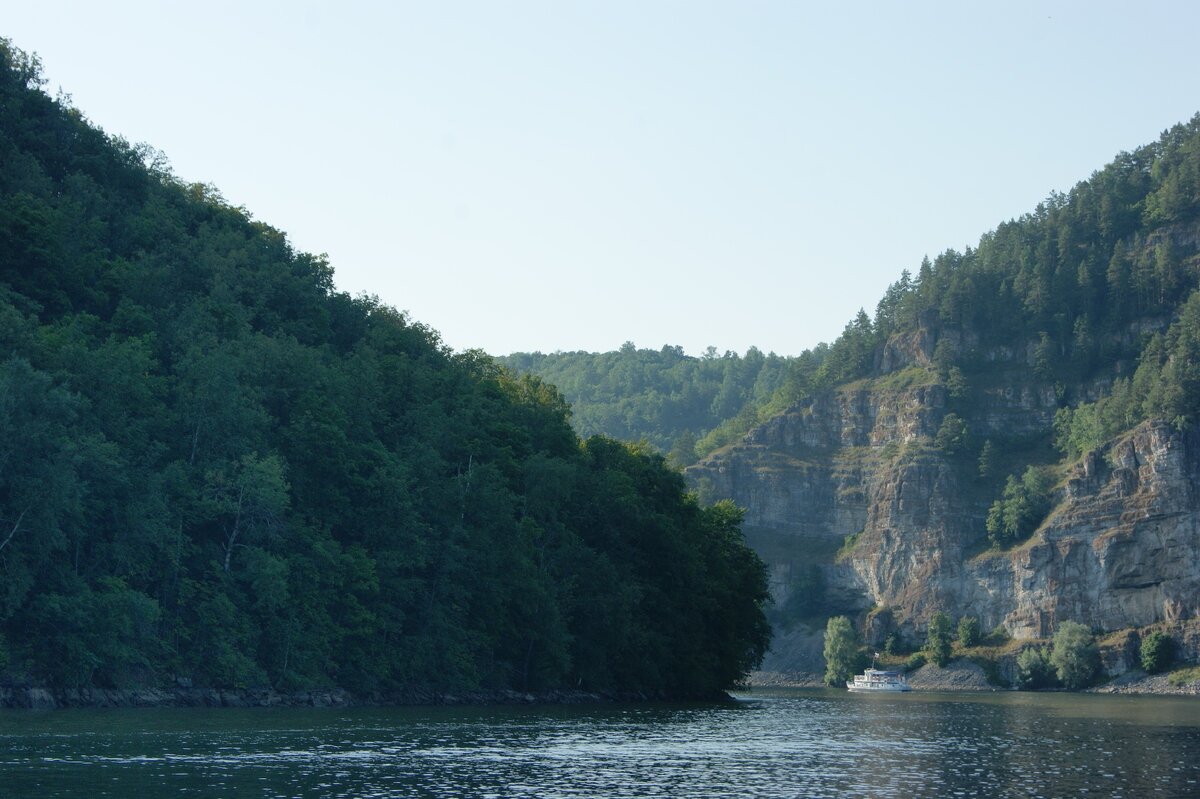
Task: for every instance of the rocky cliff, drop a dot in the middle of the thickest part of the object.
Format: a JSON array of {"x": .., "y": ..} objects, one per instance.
[
  {"x": 1121, "y": 549},
  {"x": 856, "y": 483}
]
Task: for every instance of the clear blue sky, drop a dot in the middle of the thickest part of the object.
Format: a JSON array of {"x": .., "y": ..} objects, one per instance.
[{"x": 570, "y": 175}]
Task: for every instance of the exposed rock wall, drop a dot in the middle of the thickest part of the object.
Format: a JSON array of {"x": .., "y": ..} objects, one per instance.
[{"x": 1121, "y": 548}]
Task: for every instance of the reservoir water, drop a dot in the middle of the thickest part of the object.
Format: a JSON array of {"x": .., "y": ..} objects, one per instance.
[{"x": 801, "y": 743}]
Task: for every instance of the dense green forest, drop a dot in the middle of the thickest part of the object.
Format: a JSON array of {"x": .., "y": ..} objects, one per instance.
[
  {"x": 1082, "y": 277},
  {"x": 673, "y": 401},
  {"x": 215, "y": 467}
]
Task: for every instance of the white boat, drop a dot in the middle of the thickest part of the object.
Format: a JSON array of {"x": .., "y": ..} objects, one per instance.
[{"x": 878, "y": 681}]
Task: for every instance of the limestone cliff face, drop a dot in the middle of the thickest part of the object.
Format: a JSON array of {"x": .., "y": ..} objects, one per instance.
[
  {"x": 857, "y": 462},
  {"x": 1121, "y": 548}
]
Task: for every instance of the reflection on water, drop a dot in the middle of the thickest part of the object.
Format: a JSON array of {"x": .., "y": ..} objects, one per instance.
[{"x": 773, "y": 744}]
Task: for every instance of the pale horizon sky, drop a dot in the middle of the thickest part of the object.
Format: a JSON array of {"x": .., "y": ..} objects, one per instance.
[{"x": 569, "y": 176}]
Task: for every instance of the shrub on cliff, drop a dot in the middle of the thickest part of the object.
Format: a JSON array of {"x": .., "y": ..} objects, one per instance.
[
  {"x": 1022, "y": 508},
  {"x": 938, "y": 644},
  {"x": 1034, "y": 669},
  {"x": 1157, "y": 652},
  {"x": 968, "y": 631}
]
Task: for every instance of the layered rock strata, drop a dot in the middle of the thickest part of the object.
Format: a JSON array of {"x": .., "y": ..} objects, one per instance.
[{"x": 858, "y": 469}]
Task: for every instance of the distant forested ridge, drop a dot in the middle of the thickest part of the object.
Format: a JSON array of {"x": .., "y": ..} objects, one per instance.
[
  {"x": 675, "y": 402},
  {"x": 216, "y": 468}
]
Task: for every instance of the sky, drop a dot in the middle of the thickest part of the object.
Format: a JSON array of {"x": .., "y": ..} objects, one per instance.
[{"x": 571, "y": 175}]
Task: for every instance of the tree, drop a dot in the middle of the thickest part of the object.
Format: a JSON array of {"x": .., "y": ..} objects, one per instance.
[
  {"x": 683, "y": 451},
  {"x": 952, "y": 435},
  {"x": 1022, "y": 508},
  {"x": 1157, "y": 652},
  {"x": 968, "y": 631},
  {"x": 1034, "y": 669},
  {"x": 956, "y": 383},
  {"x": 248, "y": 500},
  {"x": 987, "y": 459},
  {"x": 938, "y": 643},
  {"x": 1044, "y": 357},
  {"x": 841, "y": 651},
  {"x": 1074, "y": 655}
]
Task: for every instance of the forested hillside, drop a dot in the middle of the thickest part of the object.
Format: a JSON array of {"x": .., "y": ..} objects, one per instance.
[
  {"x": 675, "y": 402},
  {"x": 1086, "y": 277},
  {"x": 217, "y": 469}
]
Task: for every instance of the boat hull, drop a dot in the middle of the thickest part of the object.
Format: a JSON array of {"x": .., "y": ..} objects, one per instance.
[
  {"x": 878, "y": 681},
  {"x": 888, "y": 689}
]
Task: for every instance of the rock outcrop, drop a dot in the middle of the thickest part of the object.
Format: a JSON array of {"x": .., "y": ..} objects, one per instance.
[{"x": 1121, "y": 549}]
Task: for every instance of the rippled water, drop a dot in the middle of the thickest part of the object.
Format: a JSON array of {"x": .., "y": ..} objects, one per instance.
[{"x": 772, "y": 744}]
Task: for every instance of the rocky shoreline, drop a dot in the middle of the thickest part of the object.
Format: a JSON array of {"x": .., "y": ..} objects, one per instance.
[
  {"x": 1139, "y": 682},
  {"x": 41, "y": 698},
  {"x": 963, "y": 675}
]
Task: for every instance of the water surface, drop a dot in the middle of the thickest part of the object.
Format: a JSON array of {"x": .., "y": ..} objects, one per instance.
[{"x": 771, "y": 744}]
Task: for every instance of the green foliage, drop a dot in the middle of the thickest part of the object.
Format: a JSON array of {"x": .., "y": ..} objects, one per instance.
[
  {"x": 1074, "y": 657},
  {"x": 1184, "y": 676},
  {"x": 670, "y": 399},
  {"x": 968, "y": 631},
  {"x": 956, "y": 383},
  {"x": 952, "y": 436},
  {"x": 939, "y": 642},
  {"x": 915, "y": 661},
  {"x": 214, "y": 465},
  {"x": 103, "y": 637},
  {"x": 683, "y": 450},
  {"x": 843, "y": 652},
  {"x": 892, "y": 644},
  {"x": 1034, "y": 669},
  {"x": 987, "y": 458},
  {"x": 1157, "y": 652},
  {"x": 1022, "y": 507},
  {"x": 729, "y": 431},
  {"x": 849, "y": 544}
]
